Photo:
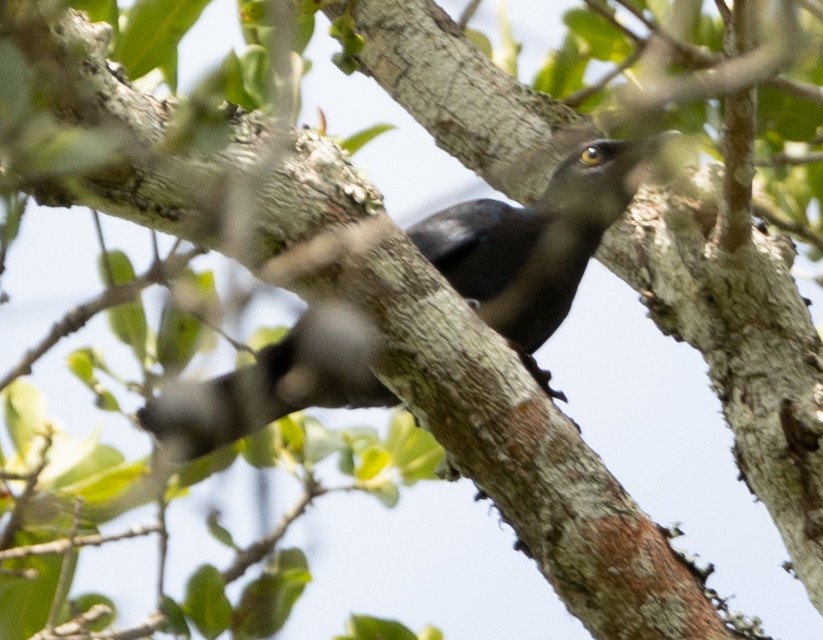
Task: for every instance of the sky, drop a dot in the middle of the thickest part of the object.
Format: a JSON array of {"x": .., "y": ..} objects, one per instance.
[{"x": 642, "y": 400}]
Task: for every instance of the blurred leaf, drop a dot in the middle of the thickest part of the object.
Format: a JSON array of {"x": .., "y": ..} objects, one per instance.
[
  {"x": 789, "y": 117},
  {"x": 236, "y": 91},
  {"x": 25, "y": 602},
  {"x": 344, "y": 31},
  {"x": 481, "y": 41},
  {"x": 63, "y": 150},
  {"x": 99, "y": 11},
  {"x": 84, "y": 602},
  {"x": 175, "y": 619},
  {"x": 199, "y": 469},
  {"x": 368, "y": 628},
  {"x": 111, "y": 491},
  {"x": 387, "y": 492},
  {"x": 505, "y": 57},
  {"x": 373, "y": 460},
  {"x": 603, "y": 39},
  {"x": 257, "y": 20},
  {"x": 430, "y": 633},
  {"x": 320, "y": 442},
  {"x": 266, "y": 602},
  {"x": 358, "y": 140},
  {"x": 127, "y": 320},
  {"x": 206, "y": 604},
  {"x": 153, "y": 31},
  {"x": 72, "y": 459},
  {"x": 218, "y": 531},
  {"x": 260, "y": 449},
  {"x": 14, "y": 206},
  {"x": 562, "y": 74},
  {"x": 177, "y": 338},
  {"x": 14, "y": 85},
  {"x": 414, "y": 450},
  {"x": 82, "y": 364},
  {"x": 24, "y": 411}
]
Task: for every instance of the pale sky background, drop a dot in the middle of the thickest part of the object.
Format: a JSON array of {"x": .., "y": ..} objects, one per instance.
[{"x": 641, "y": 399}]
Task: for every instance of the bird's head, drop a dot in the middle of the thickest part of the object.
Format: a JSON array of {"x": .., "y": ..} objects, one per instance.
[{"x": 594, "y": 184}]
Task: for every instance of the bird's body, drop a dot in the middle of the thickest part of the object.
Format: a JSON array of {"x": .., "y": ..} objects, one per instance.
[{"x": 519, "y": 268}]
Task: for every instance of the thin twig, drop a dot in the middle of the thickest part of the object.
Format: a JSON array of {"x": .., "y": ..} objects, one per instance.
[
  {"x": 61, "y": 591},
  {"x": 578, "y": 97},
  {"x": 261, "y": 548},
  {"x": 599, "y": 10},
  {"x": 15, "y": 520},
  {"x": 724, "y": 11},
  {"x": 771, "y": 214},
  {"x": 104, "y": 254},
  {"x": 72, "y": 631},
  {"x": 65, "y": 544},
  {"x": 468, "y": 14},
  {"x": 163, "y": 547},
  {"x": 734, "y": 220},
  {"x": 783, "y": 159},
  {"x": 77, "y": 317}
]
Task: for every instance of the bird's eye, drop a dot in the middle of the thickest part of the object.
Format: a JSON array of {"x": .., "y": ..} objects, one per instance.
[{"x": 591, "y": 156}]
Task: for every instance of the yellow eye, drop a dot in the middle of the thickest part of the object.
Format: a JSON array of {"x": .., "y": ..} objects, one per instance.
[{"x": 591, "y": 156}]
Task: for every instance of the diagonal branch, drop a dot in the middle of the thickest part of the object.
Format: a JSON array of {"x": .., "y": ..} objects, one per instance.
[{"x": 462, "y": 380}]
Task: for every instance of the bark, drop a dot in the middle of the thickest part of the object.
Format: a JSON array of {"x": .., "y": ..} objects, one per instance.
[
  {"x": 284, "y": 189},
  {"x": 741, "y": 310}
]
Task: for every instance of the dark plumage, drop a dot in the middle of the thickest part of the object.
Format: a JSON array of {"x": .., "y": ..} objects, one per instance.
[{"x": 519, "y": 267}]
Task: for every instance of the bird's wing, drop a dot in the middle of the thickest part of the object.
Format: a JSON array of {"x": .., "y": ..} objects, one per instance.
[{"x": 446, "y": 236}]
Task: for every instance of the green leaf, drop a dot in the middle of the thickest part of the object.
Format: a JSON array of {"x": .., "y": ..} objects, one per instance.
[
  {"x": 344, "y": 31},
  {"x": 113, "y": 491},
  {"x": 127, "y": 320},
  {"x": 415, "y": 452},
  {"x": 175, "y": 619},
  {"x": 236, "y": 92},
  {"x": 219, "y": 532},
  {"x": 181, "y": 330},
  {"x": 99, "y": 11},
  {"x": 481, "y": 41},
  {"x": 25, "y": 601},
  {"x": 505, "y": 57},
  {"x": 361, "y": 627},
  {"x": 14, "y": 206},
  {"x": 65, "y": 151},
  {"x": 562, "y": 73},
  {"x": 430, "y": 633},
  {"x": 206, "y": 604},
  {"x": 200, "y": 469},
  {"x": 14, "y": 85},
  {"x": 358, "y": 140},
  {"x": 266, "y": 602},
  {"x": 320, "y": 442},
  {"x": 82, "y": 364},
  {"x": 603, "y": 39},
  {"x": 153, "y": 31},
  {"x": 786, "y": 116},
  {"x": 24, "y": 411},
  {"x": 84, "y": 602},
  {"x": 373, "y": 460}
]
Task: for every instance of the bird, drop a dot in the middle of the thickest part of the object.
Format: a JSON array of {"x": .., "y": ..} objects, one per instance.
[{"x": 518, "y": 267}]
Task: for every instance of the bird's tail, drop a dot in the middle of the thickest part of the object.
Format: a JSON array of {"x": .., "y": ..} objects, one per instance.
[
  {"x": 325, "y": 361},
  {"x": 191, "y": 419}
]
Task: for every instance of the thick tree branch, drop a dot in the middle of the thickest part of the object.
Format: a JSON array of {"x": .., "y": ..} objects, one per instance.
[
  {"x": 586, "y": 535},
  {"x": 762, "y": 351}
]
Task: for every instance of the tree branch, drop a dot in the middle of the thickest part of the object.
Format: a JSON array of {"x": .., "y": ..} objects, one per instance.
[{"x": 599, "y": 551}]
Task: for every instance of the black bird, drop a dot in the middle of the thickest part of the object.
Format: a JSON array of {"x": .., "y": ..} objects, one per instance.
[{"x": 518, "y": 267}]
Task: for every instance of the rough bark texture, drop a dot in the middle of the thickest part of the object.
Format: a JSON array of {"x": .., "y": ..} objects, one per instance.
[
  {"x": 609, "y": 563},
  {"x": 741, "y": 310}
]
